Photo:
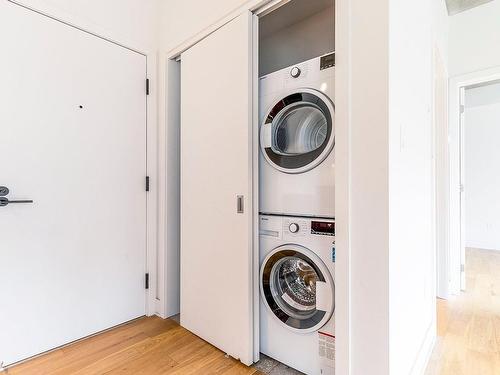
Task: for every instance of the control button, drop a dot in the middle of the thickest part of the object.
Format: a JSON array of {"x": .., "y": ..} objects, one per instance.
[
  {"x": 294, "y": 228},
  {"x": 295, "y": 72}
]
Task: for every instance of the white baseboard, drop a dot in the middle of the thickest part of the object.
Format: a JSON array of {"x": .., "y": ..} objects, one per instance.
[{"x": 425, "y": 353}]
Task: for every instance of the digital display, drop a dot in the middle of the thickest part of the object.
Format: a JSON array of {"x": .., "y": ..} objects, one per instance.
[
  {"x": 323, "y": 227},
  {"x": 327, "y": 61}
]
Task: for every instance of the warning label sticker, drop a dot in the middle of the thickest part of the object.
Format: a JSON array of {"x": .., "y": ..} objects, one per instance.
[{"x": 326, "y": 346}]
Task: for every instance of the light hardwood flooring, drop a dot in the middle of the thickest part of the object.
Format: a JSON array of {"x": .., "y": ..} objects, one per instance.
[
  {"x": 468, "y": 340},
  {"x": 469, "y": 325},
  {"x": 147, "y": 346}
]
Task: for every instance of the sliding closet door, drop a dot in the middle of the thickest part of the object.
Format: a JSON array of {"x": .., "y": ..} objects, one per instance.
[{"x": 216, "y": 189}]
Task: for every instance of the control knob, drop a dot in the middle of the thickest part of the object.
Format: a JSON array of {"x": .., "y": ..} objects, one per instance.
[
  {"x": 295, "y": 72},
  {"x": 294, "y": 227}
]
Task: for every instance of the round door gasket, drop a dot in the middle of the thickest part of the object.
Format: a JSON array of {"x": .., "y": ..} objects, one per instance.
[
  {"x": 316, "y": 320},
  {"x": 295, "y": 164}
]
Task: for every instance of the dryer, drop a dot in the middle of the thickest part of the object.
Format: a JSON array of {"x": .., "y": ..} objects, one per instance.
[
  {"x": 297, "y": 292},
  {"x": 297, "y": 139}
]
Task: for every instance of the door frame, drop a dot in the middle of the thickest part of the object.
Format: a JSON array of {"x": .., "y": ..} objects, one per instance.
[
  {"x": 257, "y": 7},
  {"x": 46, "y": 10},
  {"x": 439, "y": 176},
  {"x": 455, "y": 271}
]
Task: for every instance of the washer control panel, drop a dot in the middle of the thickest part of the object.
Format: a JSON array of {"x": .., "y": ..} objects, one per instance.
[
  {"x": 296, "y": 226},
  {"x": 326, "y": 228},
  {"x": 282, "y": 226}
]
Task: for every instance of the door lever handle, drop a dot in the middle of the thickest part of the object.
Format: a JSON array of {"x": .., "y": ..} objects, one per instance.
[{"x": 5, "y": 201}]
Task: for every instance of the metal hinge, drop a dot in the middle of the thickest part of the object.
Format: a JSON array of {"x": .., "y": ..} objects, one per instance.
[
  {"x": 146, "y": 281},
  {"x": 462, "y": 268},
  {"x": 462, "y": 108},
  {"x": 147, "y": 183},
  {"x": 147, "y": 86}
]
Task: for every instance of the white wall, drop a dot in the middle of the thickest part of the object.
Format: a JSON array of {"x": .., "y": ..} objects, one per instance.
[
  {"x": 367, "y": 60},
  {"x": 441, "y": 28},
  {"x": 182, "y": 19},
  {"x": 411, "y": 243},
  {"x": 363, "y": 60},
  {"x": 474, "y": 39},
  {"x": 482, "y": 160},
  {"x": 131, "y": 22},
  {"x": 311, "y": 37},
  {"x": 482, "y": 95},
  {"x": 385, "y": 62}
]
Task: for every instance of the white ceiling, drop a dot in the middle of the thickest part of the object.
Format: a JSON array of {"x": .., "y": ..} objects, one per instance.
[{"x": 457, "y": 6}]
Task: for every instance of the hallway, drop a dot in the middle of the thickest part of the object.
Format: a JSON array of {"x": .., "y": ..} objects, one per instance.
[{"x": 468, "y": 340}]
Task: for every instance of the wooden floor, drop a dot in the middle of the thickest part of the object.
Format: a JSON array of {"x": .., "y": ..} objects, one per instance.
[
  {"x": 469, "y": 325},
  {"x": 148, "y": 346},
  {"x": 468, "y": 339}
]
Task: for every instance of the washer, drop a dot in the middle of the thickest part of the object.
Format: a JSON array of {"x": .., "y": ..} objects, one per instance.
[
  {"x": 297, "y": 290},
  {"x": 297, "y": 139}
]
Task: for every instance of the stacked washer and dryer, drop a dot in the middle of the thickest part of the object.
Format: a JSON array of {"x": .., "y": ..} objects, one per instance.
[{"x": 297, "y": 211}]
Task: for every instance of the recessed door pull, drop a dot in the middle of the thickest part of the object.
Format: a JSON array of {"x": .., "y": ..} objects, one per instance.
[
  {"x": 5, "y": 201},
  {"x": 239, "y": 204}
]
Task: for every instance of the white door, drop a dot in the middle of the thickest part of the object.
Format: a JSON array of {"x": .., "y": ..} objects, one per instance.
[
  {"x": 216, "y": 189},
  {"x": 73, "y": 140}
]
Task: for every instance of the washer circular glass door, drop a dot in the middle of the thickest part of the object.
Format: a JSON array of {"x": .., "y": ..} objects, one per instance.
[
  {"x": 298, "y": 132},
  {"x": 288, "y": 280}
]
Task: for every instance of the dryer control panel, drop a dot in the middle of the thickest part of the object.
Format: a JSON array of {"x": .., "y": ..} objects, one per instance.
[
  {"x": 303, "y": 227},
  {"x": 327, "y": 61}
]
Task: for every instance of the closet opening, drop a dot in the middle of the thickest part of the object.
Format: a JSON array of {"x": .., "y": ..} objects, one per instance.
[
  {"x": 290, "y": 202},
  {"x": 296, "y": 152}
]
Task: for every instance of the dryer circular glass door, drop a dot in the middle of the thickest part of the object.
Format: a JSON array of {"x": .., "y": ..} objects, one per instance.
[
  {"x": 297, "y": 133},
  {"x": 290, "y": 279}
]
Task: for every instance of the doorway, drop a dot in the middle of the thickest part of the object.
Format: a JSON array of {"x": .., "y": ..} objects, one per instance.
[
  {"x": 482, "y": 85},
  {"x": 280, "y": 34},
  {"x": 480, "y": 204},
  {"x": 471, "y": 306}
]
